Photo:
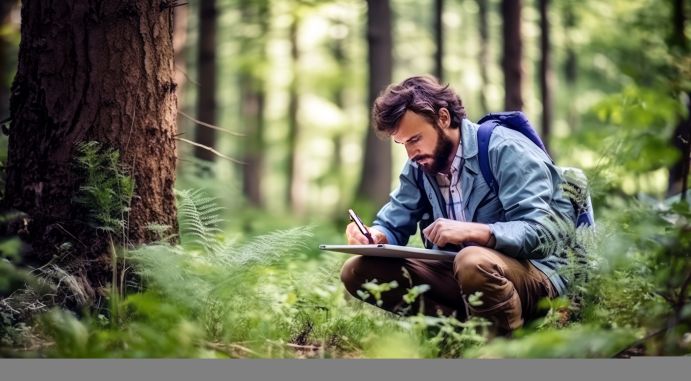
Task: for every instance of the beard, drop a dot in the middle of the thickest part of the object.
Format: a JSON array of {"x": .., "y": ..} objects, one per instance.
[{"x": 440, "y": 156}]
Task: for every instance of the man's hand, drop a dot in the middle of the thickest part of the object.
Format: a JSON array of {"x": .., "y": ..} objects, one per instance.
[
  {"x": 444, "y": 231},
  {"x": 355, "y": 237}
]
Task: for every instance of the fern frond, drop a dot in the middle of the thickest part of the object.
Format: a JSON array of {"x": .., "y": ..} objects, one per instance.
[{"x": 198, "y": 217}]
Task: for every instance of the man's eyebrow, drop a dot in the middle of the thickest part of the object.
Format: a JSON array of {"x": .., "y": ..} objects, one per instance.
[{"x": 411, "y": 138}]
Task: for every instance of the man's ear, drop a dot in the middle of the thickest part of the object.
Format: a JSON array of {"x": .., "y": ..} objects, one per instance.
[{"x": 444, "y": 118}]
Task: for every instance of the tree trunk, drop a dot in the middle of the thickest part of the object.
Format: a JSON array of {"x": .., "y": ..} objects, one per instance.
[
  {"x": 206, "y": 66},
  {"x": 570, "y": 62},
  {"x": 296, "y": 187},
  {"x": 439, "y": 39},
  {"x": 483, "y": 54},
  {"x": 375, "y": 181},
  {"x": 252, "y": 90},
  {"x": 546, "y": 74},
  {"x": 681, "y": 138},
  {"x": 8, "y": 57},
  {"x": 513, "y": 54},
  {"x": 91, "y": 71}
]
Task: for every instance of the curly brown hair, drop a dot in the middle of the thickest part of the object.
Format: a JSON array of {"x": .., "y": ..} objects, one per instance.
[{"x": 423, "y": 95}]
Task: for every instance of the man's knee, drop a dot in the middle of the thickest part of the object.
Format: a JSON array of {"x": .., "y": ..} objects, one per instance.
[
  {"x": 471, "y": 267},
  {"x": 351, "y": 273}
]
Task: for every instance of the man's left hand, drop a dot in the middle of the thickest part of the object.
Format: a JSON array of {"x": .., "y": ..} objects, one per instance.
[{"x": 444, "y": 231}]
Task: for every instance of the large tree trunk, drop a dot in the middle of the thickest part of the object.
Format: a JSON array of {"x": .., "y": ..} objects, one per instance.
[
  {"x": 483, "y": 54},
  {"x": 375, "y": 181},
  {"x": 439, "y": 39},
  {"x": 513, "y": 54},
  {"x": 546, "y": 74},
  {"x": 91, "y": 71},
  {"x": 206, "y": 66},
  {"x": 252, "y": 90}
]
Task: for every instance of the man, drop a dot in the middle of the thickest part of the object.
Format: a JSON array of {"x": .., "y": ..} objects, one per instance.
[{"x": 498, "y": 236}]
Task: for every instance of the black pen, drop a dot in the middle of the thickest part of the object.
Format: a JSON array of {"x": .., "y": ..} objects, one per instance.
[{"x": 360, "y": 225}]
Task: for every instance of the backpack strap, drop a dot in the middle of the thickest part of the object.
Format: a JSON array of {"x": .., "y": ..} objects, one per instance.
[{"x": 484, "y": 133}]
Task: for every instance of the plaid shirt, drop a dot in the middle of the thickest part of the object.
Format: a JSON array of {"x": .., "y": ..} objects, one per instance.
[{"x": 450, "y": 187}]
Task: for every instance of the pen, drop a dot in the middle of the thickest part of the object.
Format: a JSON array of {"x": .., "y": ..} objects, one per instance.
[{"x": 360, "y": 225}]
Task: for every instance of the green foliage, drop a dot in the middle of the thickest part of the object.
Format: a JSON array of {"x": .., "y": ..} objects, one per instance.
[
  {"x": 573, "y": 342},
  {"x": 106, "y": 190}
]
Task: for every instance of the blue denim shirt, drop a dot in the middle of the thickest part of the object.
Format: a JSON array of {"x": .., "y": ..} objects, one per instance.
[{"x": 530, "y": 193}]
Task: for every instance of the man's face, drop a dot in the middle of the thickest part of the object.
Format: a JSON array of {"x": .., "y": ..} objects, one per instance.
[{"x": 425, "y": 144}]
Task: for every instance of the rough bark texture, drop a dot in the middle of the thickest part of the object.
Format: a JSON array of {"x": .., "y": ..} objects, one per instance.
[
  {"x": 513, "y": 54},
  {"x": 206, "y": 66},
  {"x": 546, "y": 74},
  {"x": 91, "y": 71},
  {"x": 439, "y": 39},
  {"x": 375, "y": 183}
]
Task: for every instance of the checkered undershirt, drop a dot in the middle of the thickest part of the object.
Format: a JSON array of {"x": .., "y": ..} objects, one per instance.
[{"x": 450, "y": 186}]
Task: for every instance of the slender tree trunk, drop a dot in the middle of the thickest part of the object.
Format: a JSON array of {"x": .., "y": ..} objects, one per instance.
[
  {"x": 546, "y": 74},
  {"x": 375, "y": 181},
  {"x": 8, "y": 58},
  {"x": 91, "y": 71},
  {"x": 252, "y": 90},
  {"x": 681, "y": 139},
  {"x": 296, "y": 183},
  {"x": 513, "y": 54},
  {"x": 338, "y": 50},
  {"x": 206, "y": 66},
  {"x": 571, "y": 62},
  {"x": 483, "y": 53},
  {"x": 439, "y": 39}
]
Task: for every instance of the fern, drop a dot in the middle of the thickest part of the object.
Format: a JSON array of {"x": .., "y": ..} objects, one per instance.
[
  {"x": 198, "y": 217},
  {"x": 106, "y": 191}
]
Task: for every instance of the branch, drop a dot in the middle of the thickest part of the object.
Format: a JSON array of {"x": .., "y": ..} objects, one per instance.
[
  {"x": 211, "y": 150},
  {"x": 199, "y": 122}
]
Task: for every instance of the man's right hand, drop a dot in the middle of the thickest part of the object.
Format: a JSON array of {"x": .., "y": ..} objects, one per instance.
[{"x": 355, "y": 237}]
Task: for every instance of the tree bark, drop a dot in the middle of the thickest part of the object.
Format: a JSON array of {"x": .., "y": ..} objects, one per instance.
[
  {"x": 91, "y": 71},
  {"x": 513, "y": 54},
  {"x": 546, "y": 74},
  {"x": 206, "y": 66},
  {"x": 375, "y": 181},
  {"x": 439, "y": 39},
  {"x": 483, "y": 54}
]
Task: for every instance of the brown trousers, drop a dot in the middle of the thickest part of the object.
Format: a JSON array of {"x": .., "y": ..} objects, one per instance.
[{"x": 511, "y": 288}]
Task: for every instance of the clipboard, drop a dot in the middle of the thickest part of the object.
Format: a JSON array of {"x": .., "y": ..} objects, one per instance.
[{"x": 391, "y": 251}]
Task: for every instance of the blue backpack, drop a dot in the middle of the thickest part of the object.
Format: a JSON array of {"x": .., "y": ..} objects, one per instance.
[{"x": 576, "y": 181}]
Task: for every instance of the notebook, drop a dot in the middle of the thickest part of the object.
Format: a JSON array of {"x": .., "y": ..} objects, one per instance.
[{"x": 392, "y": 251}]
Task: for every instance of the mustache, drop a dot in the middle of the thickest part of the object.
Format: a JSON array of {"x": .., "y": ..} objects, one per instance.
[{"x": 421, "y": 157}]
